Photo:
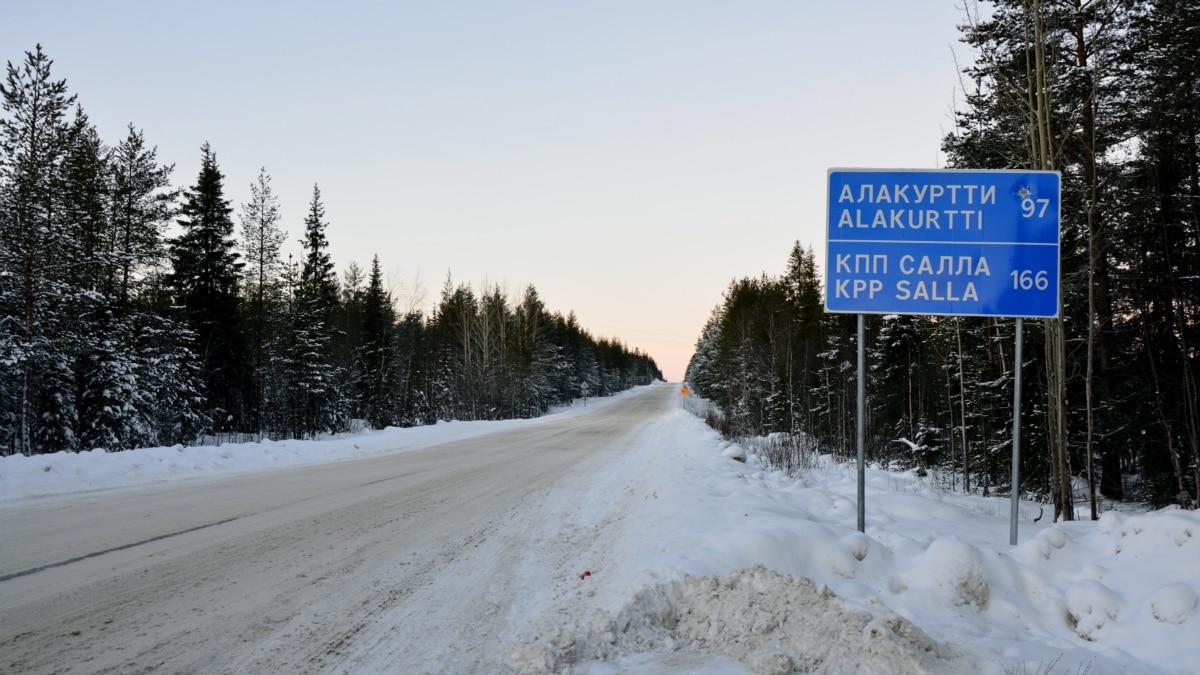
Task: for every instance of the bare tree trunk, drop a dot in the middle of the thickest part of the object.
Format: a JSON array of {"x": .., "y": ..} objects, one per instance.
[
  {"x": 962, "y": 403},
  {"x": 1192, "y": 412},
  {"x": 1055, "y": 339},
  {"x": 27, "y": 366},
  {"x": 791, "y": 388},
  {"x": 949, "y": 399},
  {"x": 1088, "y": 123},
  {"x": 1185, "y": 501},
  {"x": 1189, "y": 391}
]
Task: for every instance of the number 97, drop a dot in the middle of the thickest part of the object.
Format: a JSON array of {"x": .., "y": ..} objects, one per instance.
[{"x": 1030, "y": 206}]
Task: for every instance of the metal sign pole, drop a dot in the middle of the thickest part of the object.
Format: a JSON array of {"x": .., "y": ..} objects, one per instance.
[
  {"x": 945, "y": 243},
  {"x": 862, "y": 423},
  {"x": 1016, "y": 434}
]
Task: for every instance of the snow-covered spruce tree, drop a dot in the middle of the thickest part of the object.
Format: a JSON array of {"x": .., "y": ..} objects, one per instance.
[
  {"x": 757, "y": 357},
  {"x": 110, "y": 397},
  {"x": 113, "y": 407},
  {"x": 532, "y": 357},
  {"x": 311, "y": 375},
  {"x": 580, "y": 351},
  {"x": 118, "y": 200},
  {"x": 802, "y": 287},
  {"x": 35, "y": 262},
  {"x": 317, "y": 278},
  {"x": 204, "y": 282},
  {"x": 84, "y": 189},
  {"x": 704, "y": 369},
  {"x": 377, "y": 353},
  {"x": 348, "y": 341}
]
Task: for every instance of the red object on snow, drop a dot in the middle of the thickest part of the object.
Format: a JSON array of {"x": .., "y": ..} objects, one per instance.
[{"x": 586, "y": 574}]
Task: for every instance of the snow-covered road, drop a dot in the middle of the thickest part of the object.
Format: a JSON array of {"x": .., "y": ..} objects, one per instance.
[
  {"x": 612, "y": 538},
  {"x": 408, "y": 561}
]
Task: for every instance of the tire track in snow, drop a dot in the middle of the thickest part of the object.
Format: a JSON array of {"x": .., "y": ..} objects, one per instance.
[{"x": 114, "y": 549}]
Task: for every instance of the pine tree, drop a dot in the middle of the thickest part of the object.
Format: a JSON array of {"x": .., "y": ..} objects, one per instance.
[
  {"x": 491, "y": 332},
  {"x": 454, "y": 389},
  {"x": 532, "y": 356},
  {"x": 111, "y": 399},
  {"x": 704, "y": 368},
  {"x": 141, "y": 205},
  {"x": 172, "y": 409},
  {"x": 378, "y": 352},
  {"x": 1160, "y": 192},
  {"x": 413, "y": 405},
  {"x": 205, "y": 280},
  {"x": 85, "y": 190},
  {"x": 349, "y": 341},
  {"x": 82, "y": 340},
  {"x": 1014, "y": 121},
  {"x": 262, "y": 292},
  {"x": 803, "y": 296},
  {"x": 312, "y": 374},
  {"x": 1104, "y": 92},
  {"x": 317, "y": 278},
  {"x": 34, "y": 255}
]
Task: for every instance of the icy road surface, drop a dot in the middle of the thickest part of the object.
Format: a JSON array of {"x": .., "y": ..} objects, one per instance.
[{"x": 395, "y": 563}]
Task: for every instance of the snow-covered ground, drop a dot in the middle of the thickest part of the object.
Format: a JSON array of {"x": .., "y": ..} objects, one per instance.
[{"x": 701, "y": 563}]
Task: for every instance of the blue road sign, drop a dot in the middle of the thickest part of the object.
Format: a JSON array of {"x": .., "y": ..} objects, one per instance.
[{"x": 961, "y": 243}]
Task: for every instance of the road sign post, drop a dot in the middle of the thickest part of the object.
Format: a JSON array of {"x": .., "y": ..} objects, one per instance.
[{"x": 945, "y": 242}]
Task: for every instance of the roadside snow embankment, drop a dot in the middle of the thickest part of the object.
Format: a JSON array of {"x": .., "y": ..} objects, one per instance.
[
  {"x": 68, "y": 473},
  {"x": 772, "y": 623},
  {"x": 769, "y": 572}
]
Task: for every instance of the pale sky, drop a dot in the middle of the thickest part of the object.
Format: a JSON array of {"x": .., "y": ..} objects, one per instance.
[{"x": 627, "y": 158}]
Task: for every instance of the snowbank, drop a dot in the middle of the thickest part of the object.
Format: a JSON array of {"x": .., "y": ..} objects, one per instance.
[
  {"x": 773, "y": 623},
  {"x": 757, "y": 567},
  {"x": 65, "y": 473}
]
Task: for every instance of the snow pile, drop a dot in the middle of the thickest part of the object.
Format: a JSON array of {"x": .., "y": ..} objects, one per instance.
[
  {"x": 951, "y": 570},
  {"x": 774, "y": 623},
  {"x": 1114, "y": 596},
  {"x": 1174, "y": 603}
]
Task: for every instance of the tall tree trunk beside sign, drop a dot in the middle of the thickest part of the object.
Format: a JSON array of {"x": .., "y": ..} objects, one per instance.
[
  {"x": 1042, "y": 147},
  {"x": 1099, "y": 33}
]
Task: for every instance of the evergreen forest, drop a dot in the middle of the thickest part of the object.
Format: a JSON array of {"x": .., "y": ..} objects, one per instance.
[
  {"x": 134, "y": 313},
  {"x": 1106, "y": 92}
]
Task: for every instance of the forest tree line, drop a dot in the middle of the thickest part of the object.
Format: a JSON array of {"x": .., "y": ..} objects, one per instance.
[
  {"x": 1107, "y": 92},
  {"x": 115, "y": 335}
]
